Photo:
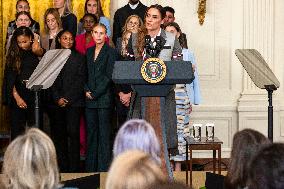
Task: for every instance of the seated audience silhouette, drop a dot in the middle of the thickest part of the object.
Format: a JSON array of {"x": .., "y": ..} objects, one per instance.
[
  {"x": 137, "y": 134},
  {"x": 267, "y": 168},
  {"x": 30, "y": 162},
  {"x": 134, "y": 170},
  {"x": 246, "y": 143}
]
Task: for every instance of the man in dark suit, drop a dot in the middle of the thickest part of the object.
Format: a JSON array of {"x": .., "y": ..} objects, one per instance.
[{"x": 120, "y": 16}]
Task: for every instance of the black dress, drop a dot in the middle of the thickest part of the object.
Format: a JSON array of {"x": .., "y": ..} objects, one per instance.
[{"x": 20, "y": 117}]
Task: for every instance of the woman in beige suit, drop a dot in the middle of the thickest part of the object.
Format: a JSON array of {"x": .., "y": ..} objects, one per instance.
[{"x": 52, "y": 25}]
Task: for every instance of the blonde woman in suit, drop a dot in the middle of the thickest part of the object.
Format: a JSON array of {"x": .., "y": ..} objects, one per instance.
[{"x": 100, "y": 99}]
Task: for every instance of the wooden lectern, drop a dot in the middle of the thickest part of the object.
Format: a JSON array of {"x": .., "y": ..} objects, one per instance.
[{"x": 153, "y": 96}]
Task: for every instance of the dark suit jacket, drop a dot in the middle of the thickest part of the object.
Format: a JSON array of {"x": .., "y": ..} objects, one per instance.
[
  {"x": 121, "y": 15},
  {"x": 70, "y": 82},
  {"x": 69, "y": 22},
  {"x": 99, "y": 81}
]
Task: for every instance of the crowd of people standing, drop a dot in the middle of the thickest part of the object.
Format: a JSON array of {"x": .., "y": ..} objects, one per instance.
[{"x": 79, "y": 107}]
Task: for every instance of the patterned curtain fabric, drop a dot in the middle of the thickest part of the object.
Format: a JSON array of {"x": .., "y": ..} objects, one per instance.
[{"x": 37, "y": 9}]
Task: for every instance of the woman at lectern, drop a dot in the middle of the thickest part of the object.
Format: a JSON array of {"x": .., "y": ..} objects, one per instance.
[
  {"x": 21, "y": 61},
  {"x": 68, "y": 97},
  {"x": 99, "y": 101}
]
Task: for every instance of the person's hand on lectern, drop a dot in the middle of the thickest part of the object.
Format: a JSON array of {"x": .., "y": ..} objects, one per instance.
[{"x": 88, "y": 95}]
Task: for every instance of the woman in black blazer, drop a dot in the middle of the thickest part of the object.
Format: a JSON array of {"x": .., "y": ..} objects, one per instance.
[
  {"x": 99, "y": 103},
  {"x": 69, "y": 100},
  {"x": 68, "y": 19}
]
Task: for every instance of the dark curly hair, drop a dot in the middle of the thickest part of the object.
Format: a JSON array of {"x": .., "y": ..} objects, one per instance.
[{"x": 13, "y": 58}]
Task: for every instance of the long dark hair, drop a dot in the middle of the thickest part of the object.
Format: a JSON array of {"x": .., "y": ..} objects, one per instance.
[
  {"x": 246, "y": 143},
  {"x": 13, "y": 58},
  {"x": 100, "y": 12},
  {"x": 58, "y": 45}
]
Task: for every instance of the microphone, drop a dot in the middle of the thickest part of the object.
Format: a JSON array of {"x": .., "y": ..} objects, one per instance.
[{"x": 153, "y": 46}]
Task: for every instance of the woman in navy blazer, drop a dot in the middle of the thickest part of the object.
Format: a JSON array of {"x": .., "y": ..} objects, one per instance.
[{"x": 99, "y": 101}]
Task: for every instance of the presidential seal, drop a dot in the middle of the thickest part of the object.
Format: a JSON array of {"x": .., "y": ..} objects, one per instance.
[{"x": 153, "y": 70}]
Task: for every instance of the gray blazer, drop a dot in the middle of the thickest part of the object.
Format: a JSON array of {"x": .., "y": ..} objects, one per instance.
[{"x": 170, "y": 118}]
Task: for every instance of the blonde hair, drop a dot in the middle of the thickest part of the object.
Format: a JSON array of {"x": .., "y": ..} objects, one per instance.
[
  {"x": 124, "y": 42},
  {"x": 133, "y": 170},
  {"x": 67, "y": 7},
  {"x": 140, "y": 34},
  {"x": 30, "y": 162}
]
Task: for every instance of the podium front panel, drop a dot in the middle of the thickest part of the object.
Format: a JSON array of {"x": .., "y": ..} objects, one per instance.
[{"x": 129, "y": 72}]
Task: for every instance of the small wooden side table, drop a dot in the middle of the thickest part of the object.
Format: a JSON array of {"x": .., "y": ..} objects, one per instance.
[{"x": 203, "y": 144}]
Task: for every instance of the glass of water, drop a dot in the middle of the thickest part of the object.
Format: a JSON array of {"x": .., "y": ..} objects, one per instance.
[
  {"x": 210, "y": 131},
  {"x": 197, "y": 132}
]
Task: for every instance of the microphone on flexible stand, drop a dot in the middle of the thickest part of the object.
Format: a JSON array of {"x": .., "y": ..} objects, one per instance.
[{"x": 153, "y": 46}]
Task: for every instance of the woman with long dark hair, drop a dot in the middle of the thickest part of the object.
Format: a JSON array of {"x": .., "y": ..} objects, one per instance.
[
  {"x": 21, "y": 61},
  {"x": 246, "y": 143}
]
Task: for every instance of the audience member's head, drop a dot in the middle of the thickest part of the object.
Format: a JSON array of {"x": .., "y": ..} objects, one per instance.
[
  {"x": 137, "y": 135},
  {"x": 94, "y": 7},
  {"x": 99, "y": 33},
  {"x": 170, "y": 14},
  {"x": 134, "y": 170},
  {"x": 168, "y": 185},
  {"x": 154, "y": 18},
  {"x": 30, "y": 162},
  {"x": 89, "y": 21},
  {"x": 133, "y": 2},
  {"x": 63, "y": 4},
  {"x": 65, "y": 40},
  {"x": 174, "y": 28},
  {"x": 23, "y": 19},
  {"x": 22, "y": 5},
  {"x": 52, "y": 20},
  {"x": 134, "y": 24},
  {"x": 246, "y": 144},
  {"x": 267, "y": 168}
]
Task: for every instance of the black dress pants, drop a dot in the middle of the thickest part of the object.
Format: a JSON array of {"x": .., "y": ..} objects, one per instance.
[
  {"x": 65, "y": 134},
  {"x": 20, "y": 119}
]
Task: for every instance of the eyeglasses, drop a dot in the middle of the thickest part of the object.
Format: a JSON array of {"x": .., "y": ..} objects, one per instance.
[
  {"x": 23, "y": 20},
  {"x": 133, "y": 23}
]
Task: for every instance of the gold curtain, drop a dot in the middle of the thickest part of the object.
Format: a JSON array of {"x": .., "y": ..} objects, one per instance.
[{"x": 37, "y": 9}]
